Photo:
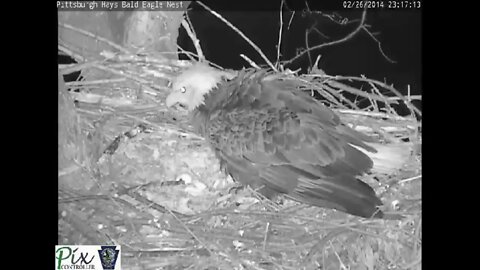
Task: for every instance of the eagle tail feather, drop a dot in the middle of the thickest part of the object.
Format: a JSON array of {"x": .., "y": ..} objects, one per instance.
[
  {"x": 389, "y": 157},
  {"x": 344, "y": 193}
]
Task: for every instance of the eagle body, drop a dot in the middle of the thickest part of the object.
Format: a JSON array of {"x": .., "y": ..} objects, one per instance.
[{"x": 272, "y": 136}]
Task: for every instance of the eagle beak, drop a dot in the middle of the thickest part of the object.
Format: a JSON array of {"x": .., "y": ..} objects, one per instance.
[{"x": 171, "y": 100}]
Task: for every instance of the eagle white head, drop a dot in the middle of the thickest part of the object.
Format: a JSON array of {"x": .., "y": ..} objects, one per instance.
[{"x": 190, "y": 87}]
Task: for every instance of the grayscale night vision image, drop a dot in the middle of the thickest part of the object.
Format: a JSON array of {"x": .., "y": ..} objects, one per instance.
[{"x": 246, "y": 135}]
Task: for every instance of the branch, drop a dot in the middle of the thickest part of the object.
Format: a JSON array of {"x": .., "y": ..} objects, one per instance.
[
  {"x": 381, "y": 84},
  {"x": 280, "y": 31},
  {"x": 253, "y": 64},
  {"x": 240, "y": 33},
  {"x": 379, "y": 45},
  {"x": 349, "y": 36},
  {"x": 97, "y": 37},
  {"x": 191, "y": 33}
]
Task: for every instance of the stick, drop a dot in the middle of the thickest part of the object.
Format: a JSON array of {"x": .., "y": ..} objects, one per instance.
[
  {"x": 349, "y": 36},
  {"x": 194, "y": 39},
  {"x": 241, "y": 34},
  {"x": 280, "y": 31},
  {"x": 86, "y": 33}
]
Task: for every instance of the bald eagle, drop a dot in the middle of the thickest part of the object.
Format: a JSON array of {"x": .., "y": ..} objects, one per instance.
[{"x": 270, "y": 135}]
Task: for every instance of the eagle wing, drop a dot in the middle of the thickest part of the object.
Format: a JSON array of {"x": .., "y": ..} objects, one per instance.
[{"x": 269, "y": 134}]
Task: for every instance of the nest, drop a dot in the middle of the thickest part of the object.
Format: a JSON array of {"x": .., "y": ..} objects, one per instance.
[{"x": 132, "y": 173}]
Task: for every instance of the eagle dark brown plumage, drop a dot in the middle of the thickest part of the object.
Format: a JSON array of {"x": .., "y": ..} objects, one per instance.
[{"x": 270, "y": 135}]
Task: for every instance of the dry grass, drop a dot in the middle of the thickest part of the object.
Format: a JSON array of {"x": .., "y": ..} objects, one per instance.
[{"x": 158, "y": 190}]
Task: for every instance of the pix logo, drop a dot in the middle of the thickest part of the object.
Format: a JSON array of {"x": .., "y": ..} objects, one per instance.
[{"x": 85, "y": 257}]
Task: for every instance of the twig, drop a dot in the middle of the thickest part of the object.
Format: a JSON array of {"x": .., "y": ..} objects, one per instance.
[
  {"x": 144, "y": 82},
  {"x": 314, "y": 29},
  {"x": 388, "y": 87},
  {"x": 357, "y": 92},
  {"x": 342, "y": 265},
  {"x": 253, "y": 64},
  {"x": 331, "y": 95},
  {"x": 190, "y": 24},
  {"x": 187, "y": 53},
  {"x": 290, "y": 21},
  {"x": 280, "y": 31},
  {"x": 307, "y": 49},
  {"x": 336, "y": 18},
  {"x": 189, "y": 231},
  {"x": 193, "y": 37},
  {"x": 373, "y": 101},
  {"x": 77, "y": 67},
  {"x": 164, "y": 126},
  {"x": 385, "y": 100},
  {"x": 104, "y": 81},
  {"x": 410, "y": 98},
  {"x": 379, "y": 45},
  {"x": 410, "y": 179},
  {"x": 77, "y": 57},
  {"x": 241, "y": 34},
  {"x": 340, "y": 97},
  {"x": 375, "y": 114},
  {"x": 114, "y": 45},
  {"x": 408, "y": 102},
  {"x": 354, "y": 32},
  {"x": 265, "y": 238},
  {"x": 317, "y": 61}
]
